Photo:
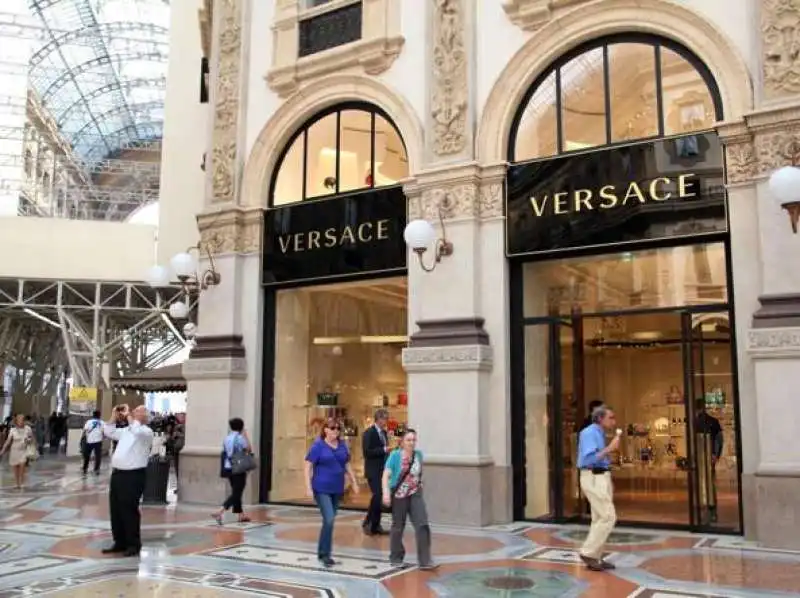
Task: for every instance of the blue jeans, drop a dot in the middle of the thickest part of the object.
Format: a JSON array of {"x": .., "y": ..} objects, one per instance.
[{"x": 327, "y": 503}]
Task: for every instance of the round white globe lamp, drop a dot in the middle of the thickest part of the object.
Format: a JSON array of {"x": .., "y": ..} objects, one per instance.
[
  {"x": 419, "y": 235},
  {"x": 183, "y": 265},
  {"x": 158, "y": 277},
  {"x": 189, "y": 329},
  {"x": 784, "y": 184},
  {"x": 178, "y": 310}
]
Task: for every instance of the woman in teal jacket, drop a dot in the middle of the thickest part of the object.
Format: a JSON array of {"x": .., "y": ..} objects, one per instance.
[{"x": 402, "y": 489}]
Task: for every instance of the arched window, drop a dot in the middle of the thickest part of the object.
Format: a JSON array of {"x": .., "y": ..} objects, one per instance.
[
  {"x": 350, "y": 147},
  {"x": 614, "y": 90}
]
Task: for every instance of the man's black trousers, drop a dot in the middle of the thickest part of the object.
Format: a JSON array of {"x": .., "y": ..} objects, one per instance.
[
  {"x": 126, "y": 491},
  {"x": 372, "y": 521},
  {"x": 97, "y": 449}
]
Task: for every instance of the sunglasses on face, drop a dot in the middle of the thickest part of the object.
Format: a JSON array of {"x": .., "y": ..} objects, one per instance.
[{"x": 334, "y": 428}]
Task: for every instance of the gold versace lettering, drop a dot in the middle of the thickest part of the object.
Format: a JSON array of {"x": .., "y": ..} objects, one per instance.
[
  {"x": 611, "y": 196},
  {"x": 365, "y": 232}
]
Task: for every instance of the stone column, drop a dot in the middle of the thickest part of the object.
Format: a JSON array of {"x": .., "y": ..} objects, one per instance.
[
  {"x": 458, "y": 329},
  {"x": 223, "y": 372},
  {"x": 768, "y": 284}
]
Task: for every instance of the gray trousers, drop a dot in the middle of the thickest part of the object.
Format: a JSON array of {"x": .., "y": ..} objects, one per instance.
[{"x": 410, "y": 507}]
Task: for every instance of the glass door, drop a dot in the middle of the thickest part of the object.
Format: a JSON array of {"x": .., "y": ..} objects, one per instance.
[
  {"x": 551, "y": 486},
  {"x": 711, "y": 422}
]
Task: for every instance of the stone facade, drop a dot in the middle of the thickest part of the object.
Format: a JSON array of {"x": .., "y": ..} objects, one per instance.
[{"x": 474, "y": 62}]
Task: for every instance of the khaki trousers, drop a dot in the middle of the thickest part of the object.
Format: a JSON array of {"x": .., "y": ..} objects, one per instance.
[{"x": 599, "y": 491}]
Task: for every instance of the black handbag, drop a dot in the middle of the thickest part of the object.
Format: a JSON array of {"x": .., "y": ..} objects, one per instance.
[{"x": 242, "y": 462}]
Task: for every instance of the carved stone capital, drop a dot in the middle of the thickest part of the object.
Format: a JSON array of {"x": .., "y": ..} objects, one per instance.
[
  {"x": 761, "y": 143},
  {"x": 448, "y": 359},
  {"x": 530, "y": 15},
  {"x": 461, "y": 191},
  {"x": 226, "y": 97},
  {"x": 234, "y": 230},
  {"x": 450, "y": 79},
  {"x": 780, "y": 34}
]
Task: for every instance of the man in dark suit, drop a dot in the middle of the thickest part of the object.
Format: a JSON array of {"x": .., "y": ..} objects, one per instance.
[{"x": 375, "y": 444}]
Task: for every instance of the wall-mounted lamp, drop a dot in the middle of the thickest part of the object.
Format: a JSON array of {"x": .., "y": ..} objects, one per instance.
[
  {"x": 420, "y": 234},
  {"x": 184, "y": 267},
  {"x": 785, "y": 187},
  {"x": 785, "y": 184}
]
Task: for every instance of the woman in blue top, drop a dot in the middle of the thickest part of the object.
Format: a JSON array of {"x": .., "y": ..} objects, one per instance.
[
  {"x": 236, "y": 440},
  {"x": 327, "y": 463}
]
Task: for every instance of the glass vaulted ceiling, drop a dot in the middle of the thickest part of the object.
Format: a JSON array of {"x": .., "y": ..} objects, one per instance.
[{"x": 101, "y": 71}]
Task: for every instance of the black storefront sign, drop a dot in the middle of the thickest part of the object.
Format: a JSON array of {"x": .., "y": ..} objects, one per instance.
[
  {"x": 341, "y": 237},
  {"x": 632, "y": 194}
]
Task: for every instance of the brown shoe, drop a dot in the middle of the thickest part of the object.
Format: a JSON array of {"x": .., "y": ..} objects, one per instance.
[{"x": 592, "y": 564}]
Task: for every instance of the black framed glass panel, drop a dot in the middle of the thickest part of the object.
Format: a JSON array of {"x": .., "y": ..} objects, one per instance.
[
  {"x": 350, "y": 147},
  {"x": 616, "y": 89}
]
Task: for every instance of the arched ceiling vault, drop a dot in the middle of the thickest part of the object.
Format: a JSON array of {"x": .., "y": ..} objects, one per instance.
[{"x": 100, "y": 71}]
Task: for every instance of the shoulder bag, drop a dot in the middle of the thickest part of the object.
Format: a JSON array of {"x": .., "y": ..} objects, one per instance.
[
  {"x": 242, "y": 460},
  {"x": 404, "y": 474}
]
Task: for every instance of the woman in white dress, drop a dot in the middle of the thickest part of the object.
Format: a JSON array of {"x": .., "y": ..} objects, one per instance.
[{"x": 20, "y": 437}]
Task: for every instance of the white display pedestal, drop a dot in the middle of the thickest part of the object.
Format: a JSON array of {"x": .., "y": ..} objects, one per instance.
[{"x": 74, "y": 443}]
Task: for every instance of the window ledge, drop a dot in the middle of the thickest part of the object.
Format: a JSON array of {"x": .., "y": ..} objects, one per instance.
[
  {"x": 373, "y": 55},
  {"x": 530, "y": 15}
]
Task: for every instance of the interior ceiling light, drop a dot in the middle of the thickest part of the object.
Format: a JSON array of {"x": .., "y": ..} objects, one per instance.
[{"x": 382, "y": 339}]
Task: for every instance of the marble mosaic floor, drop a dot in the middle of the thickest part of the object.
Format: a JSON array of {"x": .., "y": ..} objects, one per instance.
[{"x": 51, "y": 535}]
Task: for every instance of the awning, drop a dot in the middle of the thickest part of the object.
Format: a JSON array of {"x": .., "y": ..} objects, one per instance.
[{"x": 165, "y": 379}]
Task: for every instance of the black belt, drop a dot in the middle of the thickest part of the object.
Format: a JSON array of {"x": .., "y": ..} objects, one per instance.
[{"x": 596, "y": 470}]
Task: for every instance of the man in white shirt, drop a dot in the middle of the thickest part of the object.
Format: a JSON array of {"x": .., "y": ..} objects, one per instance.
[
  {"x": 93, "y": 433},
  {"x": 128, "y": 467}
]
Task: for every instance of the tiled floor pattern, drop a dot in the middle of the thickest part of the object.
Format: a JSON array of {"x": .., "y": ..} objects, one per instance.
[{"x": 51, "y": 535}]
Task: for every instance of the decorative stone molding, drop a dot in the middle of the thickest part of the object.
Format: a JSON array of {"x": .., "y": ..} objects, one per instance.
[
  {"x": 374, "y": 53},
  {"x": 530, "y": 15},
  {"x": 448, "y": 359},
  {"x": 227, "y": 346},
  {"x": 774, "y": 343},
  {"x": 780, "y": 30},
  {"x": 450, "y": 83},
  {"x": 316, "y": 96},
  {"x": 450, "y": 332},
  {"x": 778, "y": 311},
  {"x": 232, "y": 231},
  {"x": 214, "y": 368},
  {"x": 761, "y": 143},
  {"x": 602, "y": 17},
  {"x": 226, "y": 100},
  {"x": 462, "y": 191}
]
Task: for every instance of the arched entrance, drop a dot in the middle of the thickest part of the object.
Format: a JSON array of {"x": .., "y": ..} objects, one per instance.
[
  {"x": 618, "y": 246},
  {"x": 334, "y": 276}
]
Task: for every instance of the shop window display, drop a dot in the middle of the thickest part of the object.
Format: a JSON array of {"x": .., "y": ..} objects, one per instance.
[{"x": 338, "y": 354}]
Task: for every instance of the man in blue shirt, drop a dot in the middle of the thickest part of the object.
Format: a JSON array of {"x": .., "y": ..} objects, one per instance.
[{"x": 595, "y": 480}]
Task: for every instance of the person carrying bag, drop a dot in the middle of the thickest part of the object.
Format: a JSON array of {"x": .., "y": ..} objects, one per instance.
[
  {"x": 236, "y": 460},
  {"x": 402, "y": 489}
]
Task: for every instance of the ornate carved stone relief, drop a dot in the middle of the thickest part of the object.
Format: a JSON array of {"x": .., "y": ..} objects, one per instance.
[
  {"x": 231, "y": 231},
  {"x": 530, "y": 15},
  {"x": 780, "y": 31},
  {"x": 774, "y": 342},
  {"x": 226, "y": 102},
  {"x": 464, "y": 191},
  {"x": 450, "y": 78},
  {"x": 762, "y": 143},
  {"x": 453, "y": 358},
  {"x": 374, "y": 53}
]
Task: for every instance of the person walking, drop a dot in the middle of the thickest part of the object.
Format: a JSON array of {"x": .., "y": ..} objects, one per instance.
[
  {"x": 402, "y": 489},
  {"x": 93, "y": 435},
  {"x": 237, "y": 440},
  {"x": 19, "y": 443},
  {"x": 326, "y": 464},
  {"x": 128, "y": 467},
  {"x": 595, "y": 481},
  {"x": 375, "y": 446}
]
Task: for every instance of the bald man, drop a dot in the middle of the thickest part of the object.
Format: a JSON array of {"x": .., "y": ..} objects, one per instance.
[{"x": 128, "y": 467}]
